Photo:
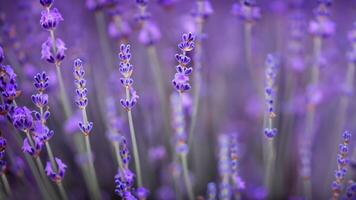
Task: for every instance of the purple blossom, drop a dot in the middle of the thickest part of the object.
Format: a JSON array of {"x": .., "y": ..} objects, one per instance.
[
  {"x": 46, "y": 3},
  {"x": 50, "y": 18},
  {"x": 32, "y": 150},
  {"x": 181, "y": 78},
  {"x": 47, "y": 53},
  {"x": 149, "y": 33},
  {"x": 342, "y": 161},
  {"x": 322, "y": 26},
  {"x": 80, "y": 83},
  {"x": 41, "y": 82},
  {"x": 40, "y": 100},
  {"x": 211, "y": 192},
  {"x": 142, "y": 193},
  {"x": 22, "y": 119},
  {"x": 41, "y": 131},
  {"x": 246, "y": 10},
  {"x": 126, "y": 69},
  {"x": 202, "y": 9},
  {"x": 56, "y": 176},
  {"x": 271, "y": 73}
]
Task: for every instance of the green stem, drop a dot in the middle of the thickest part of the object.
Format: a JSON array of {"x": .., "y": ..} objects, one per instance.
[
  {"x": 134, "y": 143},
  {"x": 63, "y": 94},
  {"x": 93, "y": 176},
  {"x": 188, "y": 183},
  {"x": 6, "y": 184}
]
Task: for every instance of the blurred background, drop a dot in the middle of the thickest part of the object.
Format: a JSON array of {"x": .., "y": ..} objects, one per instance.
[{"x": 230, "y": 101}]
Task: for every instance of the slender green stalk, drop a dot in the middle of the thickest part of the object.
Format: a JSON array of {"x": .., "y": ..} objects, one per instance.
[
  {"x": 317, "y": 42},
  {"x": 6, "y": 184},
  {"x": 134, "y": 143},
  {"x": 188, "y": 183},
  {"x": 157, "y": 74},
  {"x": 93, "y": 176}
]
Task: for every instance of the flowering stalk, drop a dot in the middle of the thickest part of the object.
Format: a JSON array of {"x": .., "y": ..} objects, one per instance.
[
  {"x": 224, "y": 167},
  {"x": 238, "y": 183},
  {"x": 201, "y": 12},
  {"x": 3, "y": 164},
  {"x": 321, "y": 27},
  {"x": 53, "y": 49},
  {"x": 8, "y": 107},
  {"x": 85, "y": 126},
  {"x": 249, "y": 13},
  {"x": 181, "y": 84},
  {"x": 269, "y": 131},
  {"x": 126, "y": 69},
  {"x": 149, "y": 36},
  {"x": 56, "y": 173},
  {"x": 342, "y": 162}
]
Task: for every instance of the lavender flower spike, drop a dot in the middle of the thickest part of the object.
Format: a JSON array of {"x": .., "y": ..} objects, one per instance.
[
  {"x": 59, "y": 175},
  {"x": 126, "y": 69},
  {"x": 85, "y": 126},
  {"x": 181, "y": 78},
  {"x": 342, "y": 162}
]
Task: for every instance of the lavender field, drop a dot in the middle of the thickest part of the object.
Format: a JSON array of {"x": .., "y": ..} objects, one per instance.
[{"x": 177, "y": 99}]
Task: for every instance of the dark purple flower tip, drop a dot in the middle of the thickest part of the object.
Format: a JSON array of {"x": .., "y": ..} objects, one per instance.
[
  {"x": 187, "y": 43},
  {"x": 78, "y": 63},
  {"x": 142, "y": 2},
  {"x": 41, "y": 131},
  {"x": 346, "y": 136},
  {"x": 246, "y": 10},
  {"x": 125, "y": 54},
  {"x": 56, "y": 176},
  {"x": 182, "y": 59},
  {"x": 40, "y": 100},
  {"x": 50, "y": 18},
  {"x": 41, "y": 81},
  {"x": 46, "y": 3},
  {"x": 22, "y": 118},
  {"x": 127, "y": 82},
  {"x": 46, "y": 52},
  {"x": 85, "y": 128},
  {"x": 270, "y": 133},
  {"x": 32, "y": 150},
  {"x": 2, "y": 55}
]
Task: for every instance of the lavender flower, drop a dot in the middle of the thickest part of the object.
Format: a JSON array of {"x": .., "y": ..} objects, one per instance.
[
  {"x": 53, "y": 56},
  {"x": 322, "y": 26},
  {"x": 3, "y": 144},
  {"x": 246, "y": 10},
  {"x": 81, "y": 94},
  {"x": 181, "y": 78},
  {"x": 35, "y": 149},
  {"x": 50, "y": 18},
  {"x": 224, "y": 165},
  {"x": 271, "y": 73},
  {"x": 342, "y": 162},
  {"x": 202, "y": 9},
  {"x": 350, "y": 191},
  {"x": 56, "y": 176},
  {"x": 41, "y": 82},
  {"x": 126, "y": 69},
  {"x": 46, "y": 3},
  {"x": 239, "y": 184},
  {"x": 22, "y": 119},
  {"x": 212, "y": 191}
]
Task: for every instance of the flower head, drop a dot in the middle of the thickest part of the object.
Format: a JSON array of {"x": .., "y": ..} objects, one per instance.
[
  {"x": 50, "y": 18},
  {"x": 322, "y": 25},
  {"x": 181, "y": 78},
  {"x": 22, "y": 118},
  {"x": 47, "y": 53},
  {"x": 149, "y": 33},
  {"x": 41, "y": 82},
  {"x": 56, "y": 176},
  {"x": 246, "y": 10},
  {"x": 33, "y": 149},
  {"x": 202, "y": 9},
  {"x": 46, "y": 3}
]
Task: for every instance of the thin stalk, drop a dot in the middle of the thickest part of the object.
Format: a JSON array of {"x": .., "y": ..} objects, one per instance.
[
  {"x": 93, "y": 176},
  {"x": 157, "y": 75},
  {"x": 184, "y": 160},
  {"x": 6, "y": 184},
  {"x": 188, "y": 183},
  {"x": 197, "y": 78},
  {"x": 41, "y": 168},
  {"x": 134, "y": 143},
  {"x": 248, "y": 56},
  {"x": 317, "y": 43},
  {"x": 63, "y": 94},
  {"x": 43, "y": 190}
]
